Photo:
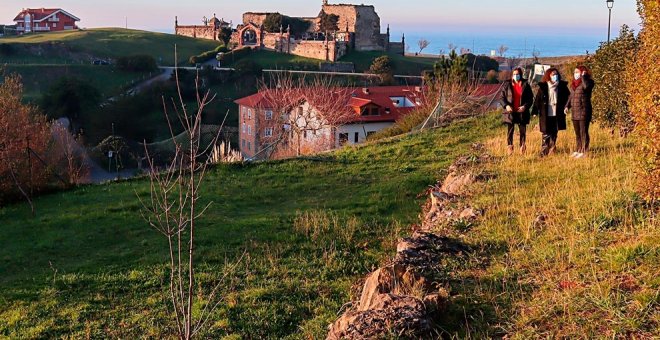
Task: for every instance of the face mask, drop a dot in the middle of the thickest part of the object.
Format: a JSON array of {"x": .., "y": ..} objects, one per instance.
[
  {"x": 516, "y": 77},
  {"x": 554, "y": 78},
  {"x": 577, "y": 76}
]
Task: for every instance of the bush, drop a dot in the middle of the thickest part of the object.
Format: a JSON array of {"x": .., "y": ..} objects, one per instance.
[
  {"x": 235, "y": 55},
  {"x": 70, "y": 97},
  {"x": 644, "y": 93},
  {"x": 208, "y": 55},
  {"x": 492, "y": 77},
  {"x": 7, "y": 49},
  {"x": 482, "y": 63},
  {"x": 609, "y": 65},
  {"x": 137, "y": 63},
  {"x": 247, "y": 67},
  {"x": 404, "y": 125},
  {"x": 276, "y": 21},
  {"x": 383, "y": 67}
]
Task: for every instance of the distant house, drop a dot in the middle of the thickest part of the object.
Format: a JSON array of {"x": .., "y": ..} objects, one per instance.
[
  {"x": 373, "y": 109},
  {"x": 44, "y": 20}
]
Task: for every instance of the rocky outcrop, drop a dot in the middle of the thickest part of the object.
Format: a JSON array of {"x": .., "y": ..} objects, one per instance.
[{"x": 402, "y": 298}]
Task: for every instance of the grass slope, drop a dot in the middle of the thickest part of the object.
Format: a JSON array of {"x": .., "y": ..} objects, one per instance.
[
  {"x": 38, "y": 78},
  {"x": 274, "y": 60},
  {"x": 402, "y": 64},
  {"x": 88, "y": 266},
  {"x": 570, "y": 250},
  {"x": 104, "y": 43}
]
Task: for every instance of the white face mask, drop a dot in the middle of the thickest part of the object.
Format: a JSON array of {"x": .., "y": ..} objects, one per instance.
[
  {"x": 577, "y": 76},
  {"x": 554, "y": 78}
]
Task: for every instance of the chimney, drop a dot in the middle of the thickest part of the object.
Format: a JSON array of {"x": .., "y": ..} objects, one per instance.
[{"x": 365, "y": 90}]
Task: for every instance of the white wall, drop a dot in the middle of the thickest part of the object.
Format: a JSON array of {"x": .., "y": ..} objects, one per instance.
[{"x": 351, "y": 129}]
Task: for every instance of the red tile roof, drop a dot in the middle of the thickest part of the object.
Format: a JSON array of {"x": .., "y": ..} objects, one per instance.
[
  {"x": 379, "y": 96},
  {"x": 39, "y": 14}
]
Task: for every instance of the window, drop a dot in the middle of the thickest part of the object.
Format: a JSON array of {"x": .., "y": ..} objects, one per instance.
[
  {"x": 388, "y": 110},
  {"x": 343, "y": 139},
  {"x": 54, "y": 25},
  {"x": 374, "y": 111},
  {"x": 357, "y": 138},
  {"x": 243, "y": 142},
  {"x": 269, "y": 114},
  {"x": 249, "y": 130},
  {"x": 268, "y": 132},
  {"x": 249, "y": 146},
  {"x": 249, "y": 113},
  {"x": 244, "y": 129}
]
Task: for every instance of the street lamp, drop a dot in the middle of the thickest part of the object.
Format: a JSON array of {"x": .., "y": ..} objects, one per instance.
[{"x": 610, "y": 4}]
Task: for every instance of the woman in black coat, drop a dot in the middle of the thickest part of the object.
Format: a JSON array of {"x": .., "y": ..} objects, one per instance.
[
  {"x": 549, "y": 104},
  {"x": 581, "y": 110},
  {"x": 516, "y": 99}
]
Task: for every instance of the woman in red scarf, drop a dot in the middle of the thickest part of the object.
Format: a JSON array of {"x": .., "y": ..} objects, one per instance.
[
  {"x": 581, "y": 110},
  {"x": 516, "y": 99}
]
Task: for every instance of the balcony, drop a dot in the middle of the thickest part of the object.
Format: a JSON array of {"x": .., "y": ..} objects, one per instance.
[{"x": 41, "y": 29}]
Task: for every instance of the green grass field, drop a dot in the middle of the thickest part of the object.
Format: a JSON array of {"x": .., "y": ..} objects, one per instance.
[
  {"x": 88, "y": 266},
  {"x": 274, "y": 60},
  {"x": 84, "y": 45},
  {"x": 402, "y": 65},
  {"x": 38, "y": 78}
]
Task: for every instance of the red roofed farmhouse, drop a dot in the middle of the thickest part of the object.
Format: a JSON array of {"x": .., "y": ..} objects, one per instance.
[
  {"x": 372, "y": 109},
  {"x": 44, "y": 20}
]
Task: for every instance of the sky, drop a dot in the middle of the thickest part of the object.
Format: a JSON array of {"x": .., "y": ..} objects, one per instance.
[{"x": 586, "y": 17}]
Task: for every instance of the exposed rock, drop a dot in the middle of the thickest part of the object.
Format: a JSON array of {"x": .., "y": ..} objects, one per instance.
[
  {"x": 455, "y": 184},
  {"x": 403, "y": 316}
]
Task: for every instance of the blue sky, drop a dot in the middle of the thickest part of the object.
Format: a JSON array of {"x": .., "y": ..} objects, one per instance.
[{"x": 503, "y": 16}]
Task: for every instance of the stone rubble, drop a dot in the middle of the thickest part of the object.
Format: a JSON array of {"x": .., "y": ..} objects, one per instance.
[{"x": 399, "y": 298}]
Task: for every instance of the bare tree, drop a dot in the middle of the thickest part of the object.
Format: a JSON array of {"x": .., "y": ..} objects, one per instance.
[
  {"x": 457, "y": 99},
  {"x": 174, "y": 208},
  {"x": 71, "y": 154},
  {"x": 452, "y": 47},
  {"x": 514, "y": 61},
  {"x": 306, "y": 113},
  {"x": 501, "y": 51},
  {"x": 422, "y": 44}
]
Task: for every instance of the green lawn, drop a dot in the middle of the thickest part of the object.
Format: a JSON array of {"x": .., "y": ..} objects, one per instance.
[
  {"x": 274, "y": 60},
  {"x": 85, "y": 45},
  {"x": 402, "y": 65},
  {"x": 37, "y": 79},
  {"x": 88, "y": 266}
]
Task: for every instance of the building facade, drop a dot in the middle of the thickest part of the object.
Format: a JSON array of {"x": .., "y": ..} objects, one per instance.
[
  {"x": 372, "y": 109},
  {"x": 31, "y": 20},
  {"x": 209, "y": 30}
]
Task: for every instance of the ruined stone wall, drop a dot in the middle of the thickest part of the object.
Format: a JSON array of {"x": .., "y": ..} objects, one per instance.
[
  {"x": 397, "y": 47},
  {"x": 255, "y": 18},
  {"x": 317, "y": 49},
  {"x": 361, "y": 20},
  {"x": 367, "y": 30},
  {"x": 272, "y": 41},
  {"x": 200, "y": 32}
]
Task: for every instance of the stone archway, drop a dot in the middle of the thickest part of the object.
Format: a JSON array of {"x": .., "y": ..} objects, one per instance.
[{"x": 249, "y": 37}]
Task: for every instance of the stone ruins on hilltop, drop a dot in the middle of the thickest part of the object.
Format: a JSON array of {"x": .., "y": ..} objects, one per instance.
[{"x": 359, "y": 30}]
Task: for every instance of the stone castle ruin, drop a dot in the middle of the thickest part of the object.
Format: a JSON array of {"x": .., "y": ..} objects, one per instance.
[
  {"x": 210, "y": 30},
  {"x": 359, "y": 30}
]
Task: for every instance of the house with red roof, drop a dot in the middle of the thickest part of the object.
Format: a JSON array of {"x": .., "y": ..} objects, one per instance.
[
  {"x": 370, "y": 110},
  {"x": 44, "y": 20}
]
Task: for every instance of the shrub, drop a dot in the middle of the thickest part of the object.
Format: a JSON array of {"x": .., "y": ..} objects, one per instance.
[
  {"x": 609, "y": 65},
  {"x": 482, "y": 63},
  {"x": 235, "y": 55},
  {"x": 276, "y": 21},
  {"x": 645, "y": 97},
  {"x": 7, "y": 49},
  {"x": 208, "y": 55},
  {"x": 247, "y": 67},
  {"x": 383, "y": 67},
  {"x": 137, "y": 63},
  {"x": 18, "y": 123},
  {"x": 492, "y": 77},
  {"x": 70, "y": 97},
  {"x": 404, "y": 125}
]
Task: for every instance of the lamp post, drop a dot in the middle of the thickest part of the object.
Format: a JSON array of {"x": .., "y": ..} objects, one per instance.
[{"x": 610, "y": 4}]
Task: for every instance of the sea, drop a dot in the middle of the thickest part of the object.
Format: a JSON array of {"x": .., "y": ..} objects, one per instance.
[{"x": 519, "y": 44}]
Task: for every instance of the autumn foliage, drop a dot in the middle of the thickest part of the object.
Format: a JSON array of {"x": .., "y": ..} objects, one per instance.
[
  {"x": 20, "y": 125},
  {"x": 642, "y": 85}
]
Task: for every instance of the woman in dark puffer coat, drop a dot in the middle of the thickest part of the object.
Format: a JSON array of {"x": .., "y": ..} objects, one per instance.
[
  {"x": 516, "y": 99},
  {"x": 581, "y": 109},
  {"x": 549, "y": 104}
]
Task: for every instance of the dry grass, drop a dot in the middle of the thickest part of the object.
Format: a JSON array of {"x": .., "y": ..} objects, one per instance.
[{"x": 572, "y": 251}]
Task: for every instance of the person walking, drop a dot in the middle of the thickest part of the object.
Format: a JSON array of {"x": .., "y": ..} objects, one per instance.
[
  {"x": 516, "y": 99},
  {"x": 579, "y": 104},
  {"x": 549, "y": 104}
]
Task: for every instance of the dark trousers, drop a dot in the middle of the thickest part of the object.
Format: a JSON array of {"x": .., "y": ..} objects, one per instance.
[
  {"x": 510, "y": 130},
  {"x": 549, "y": 141},
  {"x": 582, "y": 138}
]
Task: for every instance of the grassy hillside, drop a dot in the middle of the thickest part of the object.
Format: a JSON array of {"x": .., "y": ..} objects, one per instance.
[
  {"x": 402, "y": 64},
  {"x": 566, "y": 248},
  {"x": 84, "y": 45},
  {"x": 38, "y": 78},
  {"x": 274, "y": 60},
  {"x": 87, "y": 265}
]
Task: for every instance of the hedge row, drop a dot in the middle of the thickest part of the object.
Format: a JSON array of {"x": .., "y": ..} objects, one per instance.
[
  {"x": 208, "y": 55},
  {"x": 235, "y": 55}
]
